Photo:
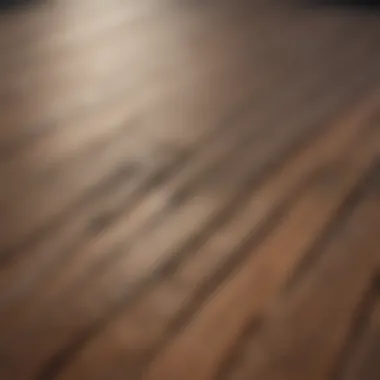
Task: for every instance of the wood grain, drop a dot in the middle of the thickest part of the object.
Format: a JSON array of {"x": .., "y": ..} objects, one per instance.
[{"x": 189, "y": 190}]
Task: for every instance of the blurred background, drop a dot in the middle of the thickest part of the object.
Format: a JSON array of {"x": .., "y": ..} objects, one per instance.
[{"x": 189, "y": 190}]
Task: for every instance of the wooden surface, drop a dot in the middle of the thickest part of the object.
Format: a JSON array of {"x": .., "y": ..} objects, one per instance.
[{"x": 189, "y": 191}]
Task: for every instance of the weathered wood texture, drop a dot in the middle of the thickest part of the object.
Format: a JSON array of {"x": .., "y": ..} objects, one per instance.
[{"x": 189, "y": 191}]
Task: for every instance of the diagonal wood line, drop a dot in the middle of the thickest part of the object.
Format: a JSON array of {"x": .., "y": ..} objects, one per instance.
[
  {"x": 359, "y": 328},
  {"x": 237, "y": 258},
  {"x": 59, "y": 361},
  {"x": 334, "y": 226},
  {"x": 252, "y": 181},
  {"x": 75, "y": 205},
  {"x": 157, "y": 178},
  {"x": 247, "y": 246},
  {"x": 159, "y": 175},
  {"x": 315, "y": 252},
  {"x": 234, "y": 355},
  {"x": 201, "y": 328},
  {"x": 223, "y": 215},
  {"x": 163, "y": 172}
]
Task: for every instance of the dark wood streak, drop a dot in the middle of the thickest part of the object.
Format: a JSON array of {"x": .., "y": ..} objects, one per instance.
[
  {"x": 176, "y": 231},
  {"x": 170, "y": 266},
  {"x": 233, "y": 357},
  {"x": 63, "y": 357},
  {"x": 336, "y": 224},
  {"x": 360, "y": 328},
  {"x": 342, "y": 57},
  {"x": 154, "y": 180},
  {"x": 347, "y": 208},
  {"x": 192, "y": 245},
  {"x": 157, "y": 178}
]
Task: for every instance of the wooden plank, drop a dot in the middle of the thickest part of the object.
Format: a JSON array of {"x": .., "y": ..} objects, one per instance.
[
  {"x": 127, "y": 341},
  {"x": 232, "y": 307},
  {"x": 23, "y": 216},
  {"x": 118, "y": 274},
  {"x": 303, "y": 335},
  {"x": 78, "y": 136},
  {"x": 217, "y": 131},
  {"x": 156, "y": 158}
]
